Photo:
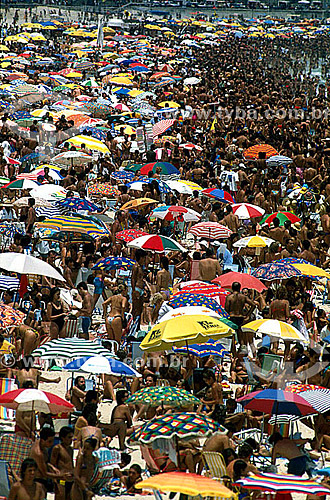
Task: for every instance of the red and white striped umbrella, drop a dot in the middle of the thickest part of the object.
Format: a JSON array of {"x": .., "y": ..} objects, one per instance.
[
  {"x": 176, "y": 213},
  {"x": 190, "y": 146},
  {"x": 34, "y": 400},
  {"x": 247, "y": 211},
  {"x": 161, "y": 127},
  {"x": 12, "y": 161},
  {"x": 210, "y": 230}
]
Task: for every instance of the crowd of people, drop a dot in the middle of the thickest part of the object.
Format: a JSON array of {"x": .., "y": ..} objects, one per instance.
[{"x": 209, "y": 90}]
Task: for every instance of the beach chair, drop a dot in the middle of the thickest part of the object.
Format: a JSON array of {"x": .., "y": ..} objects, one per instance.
[
  {"x": 13, "y": 450},
  {"x": 6, "y": 385},
  {"x": 214, "y": 464},
  {"x": 4, "y": 480},
  {"x": 107, "y": 461}
]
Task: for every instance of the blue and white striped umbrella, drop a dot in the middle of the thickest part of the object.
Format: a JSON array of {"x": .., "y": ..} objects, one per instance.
[
  {"x": 276, "y": 160},
  {"x": 55, "y": 211},
  {"x": 8, "y": 282},
  {"x": 101, "y": 364}
]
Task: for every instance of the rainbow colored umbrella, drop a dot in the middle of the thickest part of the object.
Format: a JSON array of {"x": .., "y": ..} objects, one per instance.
[
  {"x": 219, "y": 194},
  {"x": 10, "y": 316},
  {"x": 78, "y": 204},
  {"x": 9, "y": 230},
  {"x": 166, "y": 168},
  {"x": 74, "y": 224},
  {"x": 130, "y": 234},
  {"x": 281, "y": 216},
  {"x": 69, "y": 236},
  {"x": 183, "y": 425},
  {"x": 198, "y": 300},
  {"x": 103, "y": 189},
  {"x": 109, "y": 263},
  {"x": 169, "y": 396},
  {"x": 273, "y": 401},
  {"x": 282, "y": 483}
]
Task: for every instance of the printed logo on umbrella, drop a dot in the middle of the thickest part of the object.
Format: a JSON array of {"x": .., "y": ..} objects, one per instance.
[
  {"x": 155, "y": 335},
  {"x": 207, "y": 325}
]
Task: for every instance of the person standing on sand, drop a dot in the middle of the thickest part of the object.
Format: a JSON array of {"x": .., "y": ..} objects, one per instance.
[{"x": 62, "y": 459}]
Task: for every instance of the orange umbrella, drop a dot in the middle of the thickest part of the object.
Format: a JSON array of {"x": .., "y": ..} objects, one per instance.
[
  {"x": 156, "y": 76},
  {"x": 138, "y": 203},
  {"x": 259, "y": 151}
]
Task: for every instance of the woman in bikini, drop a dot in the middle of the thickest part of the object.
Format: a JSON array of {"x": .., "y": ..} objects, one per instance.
[
  {"x": 56, "y": 314},
  {"x": 115, "y": 320}
]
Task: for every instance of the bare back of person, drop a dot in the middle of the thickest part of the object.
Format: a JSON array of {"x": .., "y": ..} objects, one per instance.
[
  {"x": 217, "y": 442},
  {"x": 287, "y": 448},
  {"x": 209, "y": 269}
]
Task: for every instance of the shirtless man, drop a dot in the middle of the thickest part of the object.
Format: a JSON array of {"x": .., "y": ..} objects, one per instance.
[
  {"x": 306, "y": 253},
  {"x": 76, "y": 395},
  {"x": 25, "y": 372},
  {"x": 325, "y": 221},
  {"x": 85, "y": 313},
  {"x": 114, "y": 320},
  {"x": 231, "y": 220},
  {"x": 45, "y": 472},
  {"x": 137, "y": 281},
  {"x": 277, "y": 233},
  {"x": 27, "y": 488},
  {"x": 235, "y": 306},
  {"x": 219, "y": 442},
  {"x": 164, "y": 280},
  {"x": 196, "y": 204},
  {"x": 62, "y": 459},
  {"x": 289, "y": 448},
  {"x": 209, "y": 268}
]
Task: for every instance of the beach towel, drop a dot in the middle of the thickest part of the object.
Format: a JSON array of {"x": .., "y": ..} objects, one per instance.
[{"x": 13, "y": 450}]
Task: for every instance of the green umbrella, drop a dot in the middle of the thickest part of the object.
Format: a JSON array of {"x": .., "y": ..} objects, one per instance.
[
  {"x": 170, "y": 396},
  {"x": 281, "y": 216}
]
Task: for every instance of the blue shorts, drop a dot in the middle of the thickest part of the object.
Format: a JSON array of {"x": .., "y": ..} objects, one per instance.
[
  {"x": 85, "y": 323},
  {"x": 297, "y": 466}
]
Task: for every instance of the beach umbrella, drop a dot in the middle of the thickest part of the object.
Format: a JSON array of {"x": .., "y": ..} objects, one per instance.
[
  {"x": 219, "y": 194},
  {"x": 21, "y": 184},
  {"x": 109, "y": 263},
  {"x": 276, "y": 401},
  {"x": 49, "y": 192},
  {"x": 196, "y": 310},
  {"x": 9, "y": 230},
  {"x": 69, "y": 236},
  {"x": 70, "y": 348},
  {"x": 101, "y": 364},
  {"x": 183, "y": 187},
  {"x": 182, "y": 331},
  {"x": 187, "y": 484},
  {"x": 275, "y": 270},
  {"x": 260, "y": 151},
  {"x": 138, "y": 203},
  {"x": 191, "y": 81},
  {"x": 246, "y": 281},
  {"x": 103, "y": 189},
  {"x": 140, "y": 185},
  {"x": 72, "y": 158},
  {"x": 282, "y": 483},
  {"x": 156, "y": 243},
  {"x": 90, "y": 142},
  {"x": 169, "y": 396},
  {"x": 74, "y": 224},
  {"x": 277, "y": 160},
  {"x": 189, "y": 146},
  {"x": 35, "y": 400},
  {"x": 185, "y": 425},
  {"x": 166, "y": 168},
  {"x": 122, "y": 175},
  {"x": 8, "y": 282},
  {"x": 253, "y": 242},
  {"x": 26, "y": 264},
  {"x": 185, "y": 299},
  {"x": 74, "y": 204},
  {"x": 318, "y": 397},
  {"x": 281, "y": 216},
  {"x": 10, "y": 316},
  {"x": 246, "y": 211},
  {"x": 130, "y": 234},
  {"x": 309, "y": 270},
  {"x": 175, "y": 213},
  {"x": 208, "y": 289},
  {"x": 210, "y": 348},
  {"x": 210, "y": 230},
  {"x": 275, "y": 328}
]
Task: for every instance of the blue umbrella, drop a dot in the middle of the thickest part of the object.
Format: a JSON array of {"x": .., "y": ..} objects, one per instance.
[
  {"x": 95, "y": 132},
  {"x": 140, "y": 69},
  {"x": 101, "y": 364},
  {"x": 195, "y": 299},
  {"x": 277, "y": 402},
  {"x": 211, "y": 347},
  {"x": 78, "y": 204},
  {"x": 20, "y": 115},
  {"x": 109, "y": 263},
  {"x": 122, "y": 175}
]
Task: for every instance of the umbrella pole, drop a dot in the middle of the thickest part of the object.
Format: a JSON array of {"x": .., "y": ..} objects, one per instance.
[
  {"x": 177, "y": 450},
  {"x": 192, "y": 369}
]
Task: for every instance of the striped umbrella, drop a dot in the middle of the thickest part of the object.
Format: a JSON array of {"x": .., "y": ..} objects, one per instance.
[
  {"x": 130, "y": 234},
  {"x": 277, "y": 160},
  {"x": 70, "y": 348},
  {"x": 21, "y": 184},
  {"x": 317, "y": 397},
  {"x": 276, "y": 401},
  {"x": 253, "y": 242},
  {"x": 9, "y": 283},
  {"x": 73, "y": 224},
  {"x": 219, "y": 194},
  {"x": 156, "y": 243},
  {"x": 165, "y": 167},
  {"x": 90, "y": 143},
  {"x": 161, "y": 127},
  {"x": 281, "y": 216},
  {"x": 49, "y": 212},
  {"x": 109, "y": 263},
  {"x": 210, "y": 230},
  {"x": 275, "y": 328},
  {"x": 197, "y": 300},
  {"x": 175, "y": 213},
  {"x": 208, "y": 289},
  {"x": 246, "y": 211},
  {"x": 260, "y": 151},
  {"x": 282, "y": 483}
]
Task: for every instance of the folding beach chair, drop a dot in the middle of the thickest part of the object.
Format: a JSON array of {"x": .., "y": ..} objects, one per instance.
[
  {"x": 214, "y": 464},
  {"x": 4, "y": 480},
  {"x": 6, "y": 385},
  {"x": 107, "y": 461},
  {"x": 13, "y": 450}
]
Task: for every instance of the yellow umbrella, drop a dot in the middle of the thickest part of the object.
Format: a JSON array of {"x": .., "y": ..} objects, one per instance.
[
  {"x": 5, "y": 64},
  {"x": 310, "y": 270},
  {"x": 184, "y": 330},
  {"x": 138, "y": 203},
  {"x": 253, "y": 242},
  {"x": 127, "y": 130},
  {"x": 38, "y": 38},
  {"x": 74, "y": 74},
  {"x": 121, "y": 80},
  {"x": 90, "y": 143},
  {"x": 41, "y": 112},
  {"x": 170, "y": 104},
  {"x": 187, "y": 484},
  {"x": 15, "y": 38},
  {"x": 110, "y": 55},
  {"x": 275, "y": 328},
  {"x": 3, "y": 48}
]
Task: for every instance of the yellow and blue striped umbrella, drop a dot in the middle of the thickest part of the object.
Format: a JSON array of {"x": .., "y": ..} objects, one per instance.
[
  {"x": 90, "y": 142},
  {"x": 74, "y": 224}
]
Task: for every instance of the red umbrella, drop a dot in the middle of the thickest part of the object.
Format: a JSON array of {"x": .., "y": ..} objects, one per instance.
[
  {"x": 259, "y": 151},
  {"x": 130, "y": 234},
  {"x": 276, "y": 402},
  {"x": 246, "y": 281},
  {"x": 210, "y": 230},
  {"x": 34, "y": 400},
  {"x": 209, "y": 289}
]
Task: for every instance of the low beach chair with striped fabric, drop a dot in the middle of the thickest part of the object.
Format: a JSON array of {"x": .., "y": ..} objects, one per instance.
[{"x": 214, "y": 464}]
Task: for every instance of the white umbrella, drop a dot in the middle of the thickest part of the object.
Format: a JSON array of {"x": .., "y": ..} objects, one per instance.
[
  {"x": 25, "y": 264},
  {"x": 191, "y": 81},
  {"x": 180, "y": 187},
  {"x": 182, "y": 311},
  {"x": 49, "y": 192},
  {"x": 253, "y": 242},
  {"x": 247, "y": 211}
]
